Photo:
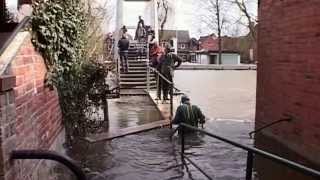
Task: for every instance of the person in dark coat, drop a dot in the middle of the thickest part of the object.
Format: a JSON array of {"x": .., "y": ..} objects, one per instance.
[
  {"x": 170, "y": 62},
  {"x": 123, "y": 45},
  {"x": 123, "y": 31},
  {"x": 141, "y": 31},
  {"x": 188, "y": 113}
]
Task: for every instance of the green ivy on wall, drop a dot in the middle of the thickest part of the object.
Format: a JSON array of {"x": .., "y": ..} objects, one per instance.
[{"x": 59, "y": 29}]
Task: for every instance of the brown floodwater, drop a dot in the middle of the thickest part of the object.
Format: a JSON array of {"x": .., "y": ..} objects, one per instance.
[{"x": 227, "y": 98}]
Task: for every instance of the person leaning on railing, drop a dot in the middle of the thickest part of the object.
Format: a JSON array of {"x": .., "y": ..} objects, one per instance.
[
  {"x": 188, "y": 113},
  {"x": 169, "y": 63}
]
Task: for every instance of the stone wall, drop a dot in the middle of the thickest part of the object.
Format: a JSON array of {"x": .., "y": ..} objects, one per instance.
[
  {"x": 289, "y": 80},
  {"x": 30, "y": 112}
]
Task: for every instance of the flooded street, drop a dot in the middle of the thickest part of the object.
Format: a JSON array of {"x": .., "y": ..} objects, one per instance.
[
  {"x": 220, "y": 94},
  {"x": 226, "y": 97}
]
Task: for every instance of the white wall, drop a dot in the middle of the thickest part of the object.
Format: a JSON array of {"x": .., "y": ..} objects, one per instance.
[
  {"x": 202, "y": 59},
  {"x": 231, "y": 59},
  {"x": 227, "y": 58},
  {"x": 128, "y": 12}
]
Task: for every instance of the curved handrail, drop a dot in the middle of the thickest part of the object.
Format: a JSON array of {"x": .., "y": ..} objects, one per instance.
[
  {"x": 49, "y": 155},
  {"x": 288, "y": 119},
  {"x": 252, "y": 150}
]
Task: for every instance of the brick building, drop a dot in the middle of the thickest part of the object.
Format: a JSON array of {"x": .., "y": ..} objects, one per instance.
[
  {"x": 185, "y": 45},
  {"x": 244, "y": 45},
  {"x": 30, "y": 115},
  {"x": 288, "y": 85},
  {"x": 208, "y": 52}
]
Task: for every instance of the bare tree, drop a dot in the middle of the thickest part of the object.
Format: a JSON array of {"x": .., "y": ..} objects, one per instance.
[
  {"x": 163, "y": 8},
  {"x": 99, "y": 15},
  {"x": 250, "y": 18},
  {"x": 215, "y": 19}
]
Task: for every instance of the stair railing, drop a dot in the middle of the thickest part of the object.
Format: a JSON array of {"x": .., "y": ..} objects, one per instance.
[
  {"x": 148, "y": 69},
  {"x": 251, "y": 152},
  {"x": 172, "y": 87},
  {"x": 49, "y": 155}
]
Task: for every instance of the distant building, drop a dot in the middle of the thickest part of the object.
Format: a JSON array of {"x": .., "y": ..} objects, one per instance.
[
  {"x": 208, "y": 52},
  {"x": 180, "y": 39}
]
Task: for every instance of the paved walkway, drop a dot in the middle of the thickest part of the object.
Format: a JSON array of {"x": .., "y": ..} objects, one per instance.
[{"x": 164, "y": 107}]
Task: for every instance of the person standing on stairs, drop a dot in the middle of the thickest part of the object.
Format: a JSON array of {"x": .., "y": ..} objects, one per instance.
[
  {"x": 170, "y": 62},
  {"x": 141, "y": 31},
  {"x": 123, "y": 30},
  {"x": 123, "y": 45},
  {"x": 156, "y": 56}
]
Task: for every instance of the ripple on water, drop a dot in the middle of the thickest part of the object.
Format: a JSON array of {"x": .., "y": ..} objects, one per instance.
[{"x": 152, "y": 156}]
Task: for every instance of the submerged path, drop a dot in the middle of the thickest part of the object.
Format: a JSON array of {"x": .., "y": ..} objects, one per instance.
[{"x": 229, "y": 104}]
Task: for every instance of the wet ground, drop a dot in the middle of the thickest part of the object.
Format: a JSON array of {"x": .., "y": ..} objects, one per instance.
[
  {"x": 131, "y": 111},
  {"x": 226, "y": 97}
]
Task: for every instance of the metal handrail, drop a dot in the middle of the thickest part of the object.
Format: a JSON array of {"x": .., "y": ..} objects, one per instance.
[
  {"x": 288, "y": 119},
  {"x": 161, "y": 75},
  {"x": 164, "y": 78},
  {"x": 251, "y": 152},
  {"x": 49, "y": 155},
  {"x": 21, "y": 25}
]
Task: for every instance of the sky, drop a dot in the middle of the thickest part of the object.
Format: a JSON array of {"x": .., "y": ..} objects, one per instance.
[{"x": 188, "y": 16}]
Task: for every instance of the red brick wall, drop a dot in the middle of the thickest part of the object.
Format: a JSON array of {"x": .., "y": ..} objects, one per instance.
[
  {"x": 34, "y": 122},
  {"x": 289, "y": 75}
]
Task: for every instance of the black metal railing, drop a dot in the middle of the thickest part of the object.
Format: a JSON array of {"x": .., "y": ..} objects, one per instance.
[
  {"x": 251, "y": 151},
  {"x": 49, "y": 155},
  {"x": 287, "y": 119},
  {"x": 171, "y": 88}
]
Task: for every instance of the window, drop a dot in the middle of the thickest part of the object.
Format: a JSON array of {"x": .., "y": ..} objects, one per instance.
[{"x": 182, "y": 46}]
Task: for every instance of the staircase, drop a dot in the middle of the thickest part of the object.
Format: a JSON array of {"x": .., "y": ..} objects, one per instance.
[{"x": 136, "y": 77}]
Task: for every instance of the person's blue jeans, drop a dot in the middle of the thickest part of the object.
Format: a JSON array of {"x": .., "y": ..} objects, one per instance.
[{"x": 124, "y": 60}]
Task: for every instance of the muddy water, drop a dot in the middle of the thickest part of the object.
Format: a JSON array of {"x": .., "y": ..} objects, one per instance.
[
  {"x": 221, "y": 94},
  {"x": 226, "y": 98}
]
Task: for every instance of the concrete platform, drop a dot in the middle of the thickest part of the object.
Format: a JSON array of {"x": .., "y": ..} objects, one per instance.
[
  {"x": 126, "y": 131},
  {"x": 164, "y": 107},
  {"x": 133, "y": 92}
]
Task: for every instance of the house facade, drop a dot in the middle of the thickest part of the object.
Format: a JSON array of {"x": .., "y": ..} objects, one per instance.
[
  {"x": 208, "y": 52},
  {"x": 180, "y": 40}
]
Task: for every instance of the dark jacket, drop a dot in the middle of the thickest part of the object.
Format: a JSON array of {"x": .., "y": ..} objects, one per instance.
[
  {"x": 141, "y": 21},
  {"x": 168, "y": 64},
  {"x": 189, "y": 114},
  {"x": 123, "y": 44}
]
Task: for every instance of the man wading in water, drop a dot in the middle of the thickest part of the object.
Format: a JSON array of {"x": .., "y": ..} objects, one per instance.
[{"x": 188, "y": 113}]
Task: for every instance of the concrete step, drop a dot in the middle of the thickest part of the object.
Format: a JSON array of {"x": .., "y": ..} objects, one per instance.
[
  {"x": 135, "y": 72},
  {"x": 136, "y": 60},
  {"x": 137, "y": 87},
  {"x": 123, "y": 75},
  {"x": 144, "y": 79},
  {"x": 126, "y": 131},
  {"x": 137, "y": 56},
  {"x": 138, "y": 65},
  {"x": 132, "y": 68},
  {"x": 138, "y": 83}
]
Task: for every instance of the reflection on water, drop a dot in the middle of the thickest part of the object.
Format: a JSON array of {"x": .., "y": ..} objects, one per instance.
[
  {"x": 152, "y": 155},
  {"x": 227, "y": 96}
]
